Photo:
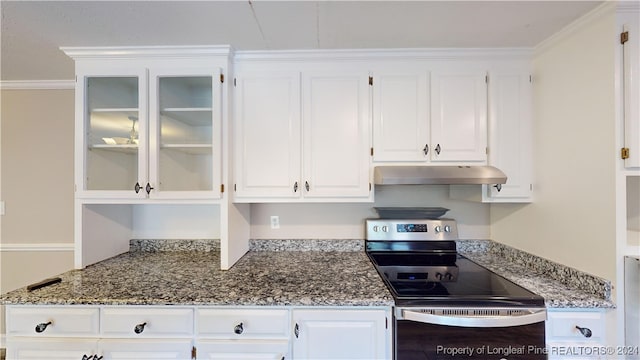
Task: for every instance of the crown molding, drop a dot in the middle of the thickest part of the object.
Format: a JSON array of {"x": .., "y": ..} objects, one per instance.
[
  {"x": 37, "y": 85},
  {"x": 129, "y": 52},
  {"x": 384, "y": 54}
]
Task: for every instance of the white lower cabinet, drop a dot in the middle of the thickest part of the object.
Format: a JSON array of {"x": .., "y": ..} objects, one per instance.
[
  {"x": 341, "y": 334},
  {"x": 26, "y": 348},
  {"x": 574, "y": 334},
  {"x": 243, "y": 349},
  {"x": 199, "y": 332},
  {"x": 134, "y": 349}
]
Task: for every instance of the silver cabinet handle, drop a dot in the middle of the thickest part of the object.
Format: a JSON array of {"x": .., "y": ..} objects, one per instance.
[
  {"x": 498, "y": 187},
  {"x": 481, "y": 321},
  {"x": 238, "y": 329},
  {"x": 426, "y": 149},
  {"x": 295, "y": 187},
  {"x": 137, "y": 187},
  {"x": 296, "y": 330},
  {"x": 438, "y": 149},
  {"x": 148, "y": 188},
  {"x": 306, "y": 185}
]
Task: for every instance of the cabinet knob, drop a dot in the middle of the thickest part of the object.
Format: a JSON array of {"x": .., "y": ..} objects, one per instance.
[
  {"x": 438, "y": 149},
  {"x": 42, "y": 326},
  {"x": 295, "y": 187},
  {"x": 296, "y": 330},
  {"x": 426, "y": 149},
  {"x": 138, "y": 329},
  {"x": 306, "y": 185},
  {"x": 137, "y": 187},
  {"x": 498, "y": 187},
  {"x": 148, "y": 188},
  {"x": 238, "y": 329},
  {"x": 586, "y": 332}
]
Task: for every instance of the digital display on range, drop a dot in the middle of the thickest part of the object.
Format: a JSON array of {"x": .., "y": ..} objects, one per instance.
[{"x": 407, "y": 228}]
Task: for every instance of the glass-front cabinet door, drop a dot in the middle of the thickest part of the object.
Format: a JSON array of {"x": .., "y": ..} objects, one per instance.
[
  {"x": 185, "y": 134},
  {"x": 114, "y": 113}
]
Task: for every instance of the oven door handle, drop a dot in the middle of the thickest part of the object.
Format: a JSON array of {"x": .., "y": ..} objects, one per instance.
[{"x": 535, "y": 316}]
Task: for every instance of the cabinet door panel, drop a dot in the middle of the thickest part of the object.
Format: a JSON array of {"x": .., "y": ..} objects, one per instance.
[
  {"x": 111, "y": 108},
  {"x": 149, "y": 349},
  {"x": 57, "y": 349},
  {"x": 401, "y": 116},
  {"x": 339, "y": 334},
  {"x": 511, "y": 135},
  {"x": 336, "y": 134},
  {"x": 631, "y": 82},
  {"x": 267, "y": 135},
  {"x": 185, "y": 138},
  {"x": 458, "y": 116},
  {"x": 245, "y": 350}
]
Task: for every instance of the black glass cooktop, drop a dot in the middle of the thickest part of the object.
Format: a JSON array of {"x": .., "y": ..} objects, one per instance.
[{"x": 474, "y": 285}]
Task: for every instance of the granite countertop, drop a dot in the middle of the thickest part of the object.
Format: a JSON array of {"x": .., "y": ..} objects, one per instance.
[
  {"x": 262, "y": 278},
  {"x": 288, "y": 272},
  {"x": 559, "y": 285}
]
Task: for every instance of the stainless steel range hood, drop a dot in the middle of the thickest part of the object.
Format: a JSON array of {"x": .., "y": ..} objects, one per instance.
[{"x": 431, "y": 175}]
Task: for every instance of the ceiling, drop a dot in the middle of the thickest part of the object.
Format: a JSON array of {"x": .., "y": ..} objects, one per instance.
[{"x": 33, "y": 31}]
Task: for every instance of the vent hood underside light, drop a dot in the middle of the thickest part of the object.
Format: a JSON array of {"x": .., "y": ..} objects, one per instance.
[{"x": 432, "y": 175}]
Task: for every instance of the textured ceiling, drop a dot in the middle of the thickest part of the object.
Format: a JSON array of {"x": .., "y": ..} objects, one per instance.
[{"x": 33, "y": 31}]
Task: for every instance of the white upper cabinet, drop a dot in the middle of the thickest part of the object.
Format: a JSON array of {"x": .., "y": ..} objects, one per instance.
[
  {"x": 301, "y": 135},
  {"x": 401, "y": 116},
  {"x": 458, "y": 116},
  {"x": 430, "y": 115},
  {"x": 510, "y": 135},
  {"x": 267, "y": 135},
  {"x": 148, "y": 123},
  {"x": 185, "y": 133},
  {"x": 335, "y": 134},
  {"x": 631, "y": 87}
]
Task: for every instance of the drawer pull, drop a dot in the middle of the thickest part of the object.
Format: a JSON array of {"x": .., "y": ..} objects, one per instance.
[
  {"x": 42, "y": 327},
  {"x": 238, "y": 329},
  {"x": 139, "y": 328},
  {"x": 586, "y": 332}
]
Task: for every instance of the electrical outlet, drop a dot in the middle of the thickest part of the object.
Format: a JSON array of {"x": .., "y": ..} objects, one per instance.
[{"x": 275, "y": 222}]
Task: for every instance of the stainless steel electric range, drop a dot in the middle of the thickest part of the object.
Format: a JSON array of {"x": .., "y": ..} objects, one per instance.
[{"x": 447, "y": 306}]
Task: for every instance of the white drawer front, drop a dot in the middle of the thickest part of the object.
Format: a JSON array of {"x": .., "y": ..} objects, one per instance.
[
  {"x": 145, "y": 322},
  {"x": 239, "y": 324},
  {"x": 563, "y": 326},
  {"x": 53, "y": 321}
]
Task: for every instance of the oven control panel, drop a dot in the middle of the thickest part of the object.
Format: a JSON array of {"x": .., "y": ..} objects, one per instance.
[{"x": 411, "y": 229}]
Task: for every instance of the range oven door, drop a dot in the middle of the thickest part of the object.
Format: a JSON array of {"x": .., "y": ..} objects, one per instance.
[{"x": 463, "y": 333}]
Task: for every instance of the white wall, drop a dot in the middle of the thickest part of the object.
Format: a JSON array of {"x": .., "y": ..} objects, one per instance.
[
  {"x": 346, "y": 221},
  {"x": 36, "y": 238},
  {"x": 572, "y": 220}
]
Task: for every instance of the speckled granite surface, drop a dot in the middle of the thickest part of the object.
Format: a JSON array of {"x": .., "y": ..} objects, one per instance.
[
  {"x": 193, "y": 278},
  {"x": 561, "y": 286},
  {"x": 288, "y": 272}
]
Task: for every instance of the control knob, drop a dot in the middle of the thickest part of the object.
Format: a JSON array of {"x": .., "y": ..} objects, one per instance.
[
  {"x": 447, "y": 228},
  {"x": 438, "y": 228}
]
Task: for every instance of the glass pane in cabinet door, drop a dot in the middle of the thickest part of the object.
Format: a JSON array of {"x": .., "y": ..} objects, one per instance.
[
  {"x": 112, "y": 136},
  {"x": 186, "y": 119}
]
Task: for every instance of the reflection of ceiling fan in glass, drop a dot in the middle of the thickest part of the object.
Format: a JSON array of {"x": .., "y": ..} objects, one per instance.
[
  {"x": 131, "y": 140},
  {"x": 133, "y": 134}
]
